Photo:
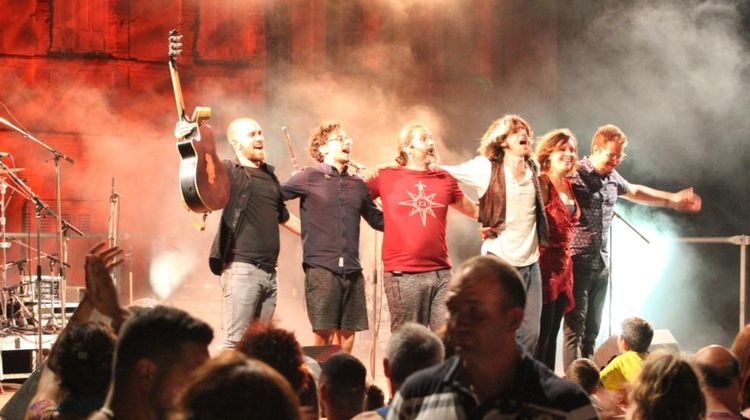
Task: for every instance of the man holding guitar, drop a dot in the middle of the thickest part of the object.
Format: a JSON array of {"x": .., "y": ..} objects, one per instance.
[
  {"x": 246, "y": 247},
  {"x": 332, "y": 200}
]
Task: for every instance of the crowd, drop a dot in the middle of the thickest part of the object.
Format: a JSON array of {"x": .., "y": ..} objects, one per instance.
[{"x": 153, "y": 363}]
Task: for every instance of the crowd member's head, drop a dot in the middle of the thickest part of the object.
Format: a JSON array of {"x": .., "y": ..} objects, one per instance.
[
  {"x": 636, "y": 335},
  {"x": 374, "y": 397},
  {"x": 276, "y": 347},
  {"x": 557, "y": 151},
  {"x": 342, "y": 386},
  {"x": 246, "y": 138},
  {"x": 231, "y": 386},
  {"x": 158, "y": 348},
  {"x": 509, "y": 134},
  {"x": 485, "y": 301},
  {"x": 415, "y": 145},
  {"x": 83, "y": 360},
  {"x": 741, "y": 349},
  {"x": 666, "y": 388},
  {"x": 412, "y": 347},
  {"x": 721, "y": 378},
  {"x": 329, "y": 143},
  {"x": 607, "y": 148},
  {"x": 280, "y": 349},
  {"x": 584, "y": 373}
]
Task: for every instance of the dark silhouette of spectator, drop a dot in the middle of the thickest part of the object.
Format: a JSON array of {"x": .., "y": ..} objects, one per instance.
[
  {"x": 233, "y": 387},
  {"x": 491, "y": 376},
  {"x": 342, "y": 386},
  {"x": 584, "y": 373},
  {"x": 280, "y": 349},
  {"x": 158, "y": 349},
  {"x": 741, "y": 349},
  {"x": 76, "y": 378},
  {"x": 721, "y": 379},
  {"x": 82, "y": 367},
  {"x": 374, "y": 397},
  {"x": 667, "y": 388},
  {"x": 411, "y": 347}
]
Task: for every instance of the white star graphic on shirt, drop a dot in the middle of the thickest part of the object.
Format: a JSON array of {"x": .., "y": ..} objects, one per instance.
[{"x": 421, "y": 203}]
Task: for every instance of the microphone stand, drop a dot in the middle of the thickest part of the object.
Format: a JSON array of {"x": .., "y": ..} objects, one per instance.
[
  {"x": 611, "y": 276},
  {"x": 112, "y": 231},
  {"x": 62, "y": 225}
]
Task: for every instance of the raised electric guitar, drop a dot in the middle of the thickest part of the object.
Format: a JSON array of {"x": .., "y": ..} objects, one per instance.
[{"x": 204, "y": 181}]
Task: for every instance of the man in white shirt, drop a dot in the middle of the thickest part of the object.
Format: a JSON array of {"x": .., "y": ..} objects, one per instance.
[{"x": 510, "y": 209}]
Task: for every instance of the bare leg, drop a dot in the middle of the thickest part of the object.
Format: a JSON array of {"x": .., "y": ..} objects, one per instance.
[
  {"x": 346, "y": 339},
  {"x": 323, "y": 337}
]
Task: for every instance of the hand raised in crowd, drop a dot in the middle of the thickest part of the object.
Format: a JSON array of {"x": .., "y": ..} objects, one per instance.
[
  {"x": 686, "y": 200},
  {"x": 100, "y": 288}
]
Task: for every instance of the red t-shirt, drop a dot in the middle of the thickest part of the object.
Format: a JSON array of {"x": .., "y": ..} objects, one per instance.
[{"x": 415, "y": 208}]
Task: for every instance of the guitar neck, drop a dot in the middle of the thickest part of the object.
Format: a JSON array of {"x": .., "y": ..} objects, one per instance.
[{"x": 177, "y": 91}]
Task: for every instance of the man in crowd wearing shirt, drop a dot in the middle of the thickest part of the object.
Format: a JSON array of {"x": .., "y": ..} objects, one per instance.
[
  {"x": 416, "y": 197},
  {"x": 510, "y": 209},
  {"x": 331, "y": 202},
  {"x": 596, "y": 186},
  {"x": 490, "y": 377}
]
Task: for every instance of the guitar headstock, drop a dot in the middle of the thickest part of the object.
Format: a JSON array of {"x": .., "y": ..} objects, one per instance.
[{"x": 175, "y": 45}]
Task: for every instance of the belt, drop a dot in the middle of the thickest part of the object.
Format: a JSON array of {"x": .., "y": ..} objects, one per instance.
[{"x": 265, "y": 267}]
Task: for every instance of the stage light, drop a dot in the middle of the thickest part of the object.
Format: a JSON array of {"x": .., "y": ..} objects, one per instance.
[{"x": 169, "y": 268}]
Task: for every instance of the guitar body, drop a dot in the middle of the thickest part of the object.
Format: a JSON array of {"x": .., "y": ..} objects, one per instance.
[{"x": 204, "y": 181}]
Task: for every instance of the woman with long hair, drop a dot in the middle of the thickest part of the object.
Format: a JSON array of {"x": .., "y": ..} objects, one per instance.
[{"x": 556, "y": 154}]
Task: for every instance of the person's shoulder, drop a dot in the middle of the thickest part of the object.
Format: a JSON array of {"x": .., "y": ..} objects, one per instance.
[
  {"x": 558, "y": 393},
  {"x": 368, "y": 415},
  {"x": 429, "y": 380}
]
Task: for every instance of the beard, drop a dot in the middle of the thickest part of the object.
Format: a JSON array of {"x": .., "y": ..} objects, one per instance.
[{"x": 254, "y": 155}]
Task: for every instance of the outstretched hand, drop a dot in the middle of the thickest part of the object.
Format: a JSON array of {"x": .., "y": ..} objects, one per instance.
[
  {"x": 686, "y": 200},
  {"x": 100, "y": 288}
]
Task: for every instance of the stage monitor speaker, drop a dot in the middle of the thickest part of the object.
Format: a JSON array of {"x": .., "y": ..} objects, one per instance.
[
  {"x": 663, "y": 339},
  {"x": 321, "y": 353}
]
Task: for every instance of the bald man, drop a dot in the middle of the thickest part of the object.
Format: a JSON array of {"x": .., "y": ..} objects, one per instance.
[
  {"x": 721, "y": 375},
  {"x": 246, "y": 246}
]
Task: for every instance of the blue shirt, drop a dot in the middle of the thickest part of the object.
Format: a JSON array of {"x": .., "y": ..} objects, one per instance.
[
  {"x": 331, "y": 204},
  {"x": 596, "y": 195}
]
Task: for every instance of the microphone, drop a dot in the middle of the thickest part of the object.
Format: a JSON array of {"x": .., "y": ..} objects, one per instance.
[{"x": 4, "y": 154}]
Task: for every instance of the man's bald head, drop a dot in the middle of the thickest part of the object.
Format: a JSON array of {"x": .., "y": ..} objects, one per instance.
[
  {"x": 718, "y": 365},
  {"x": 246, "y": 138},
  {"x": 721, "y": 374}
]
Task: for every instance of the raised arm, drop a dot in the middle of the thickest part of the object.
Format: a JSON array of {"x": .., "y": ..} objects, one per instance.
[
  {"x": 684, "y": 200},
  {"x": 100, "y": 296}
]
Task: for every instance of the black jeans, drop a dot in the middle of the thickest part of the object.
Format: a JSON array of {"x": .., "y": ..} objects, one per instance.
[
  {"x": 583, "y": 322},
  {"x": 549, "y": 326}
]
